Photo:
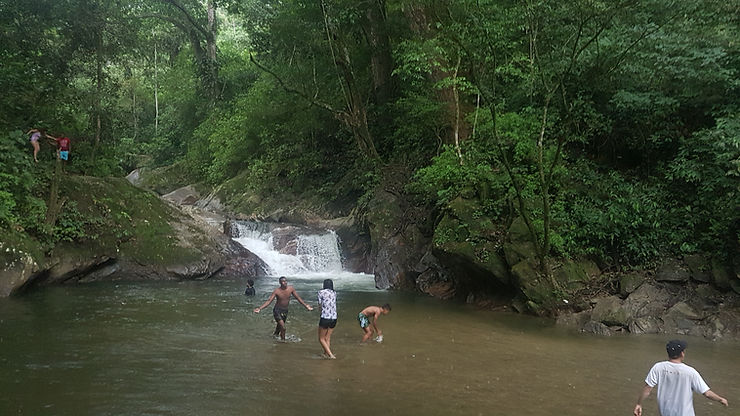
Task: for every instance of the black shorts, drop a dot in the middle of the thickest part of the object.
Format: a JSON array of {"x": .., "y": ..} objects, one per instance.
[
  {"x": 280, "y": 314},
  {"x": 327, "y": 323}
]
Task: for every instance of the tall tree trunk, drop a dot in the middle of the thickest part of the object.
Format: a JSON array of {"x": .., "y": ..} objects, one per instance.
[
  {"x": 156, "y": 92},
  {"x": 421, "y": 25},
  {"x": 54, "y": 204},
  {"x": 357, "y": 111},
  {"x": 98, "y": 96},
  {"x": 381, "y": 60},
  {"x": 356, "y": 115},
  {"x": 211, "y": 50}
]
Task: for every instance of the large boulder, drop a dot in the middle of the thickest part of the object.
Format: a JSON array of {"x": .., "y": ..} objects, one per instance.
[
  {"x": 397, "y": 245},
  {"x": 699, "y": 268},
  {"x": 17, "y": 268},
  {"x": 672, "y": 271},
  {"x": 354, "y": 241},
  {"x": 519, "y": 245},
  {"x": 132, "y": 235},
  {"x": 610, "y": 312},
  {"x": 465, "y": 237},
  {"x": 187, "y": 195}
]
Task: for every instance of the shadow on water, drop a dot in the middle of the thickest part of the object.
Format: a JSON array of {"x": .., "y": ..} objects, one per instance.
[{"x": 196, "y": 348}]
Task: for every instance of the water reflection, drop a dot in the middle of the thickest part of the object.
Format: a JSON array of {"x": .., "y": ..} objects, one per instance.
[{"x": 195, "y": 348}]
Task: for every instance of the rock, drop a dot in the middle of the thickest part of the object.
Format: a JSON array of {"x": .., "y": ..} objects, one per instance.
[
  {"x": 672, "y": 271},
  {"x": 241, "y": 262},
  {"x": 519, "y": 246},
  {"x": 645, "y": 325},
  {"x": 211, "y": 203},
  {"x": 575, "y": 320},
  {"x": 17, "y": 270},
  {"x": 699, "y": 268},
  {"x": 682, "y": 319},
  {"x": 708, "y": 295},
  {"x": 647, "y": 300},
  {"x": 571, "y": 275},
  {"x": 735, "y": 285},
  {"x": 354, "y": 243},
  {"x": 134, "y": 177},
  {"x": 69, "y": 262},
  {"x": 535, "y": 287},
  {"x": 102, "y": 272},
  {"x": 629, "y": 282},
  {"x": 397, "y": 247},
  {"x": 720, "y": 275},
  {"x": 591, "y": 268},
  {"x": 454, "y": 247},
  {"x": 186, "y": 195},
  {"x": 609, "y": 311},
  {"x": 597, "y": 328},
  {"x": 436, "y": 284}
]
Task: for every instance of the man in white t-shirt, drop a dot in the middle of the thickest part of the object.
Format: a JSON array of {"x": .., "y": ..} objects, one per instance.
[{"x": 676, "y": 383}]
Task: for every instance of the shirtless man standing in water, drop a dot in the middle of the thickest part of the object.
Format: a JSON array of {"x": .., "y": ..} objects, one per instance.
[{"x": 280, "y": 311}]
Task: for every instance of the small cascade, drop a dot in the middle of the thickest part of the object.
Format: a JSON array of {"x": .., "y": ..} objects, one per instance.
[{"x": 290, "y": 251}]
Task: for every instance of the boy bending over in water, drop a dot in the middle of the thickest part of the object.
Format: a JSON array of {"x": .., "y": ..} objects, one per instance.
[{"x": 372, "y": 313}]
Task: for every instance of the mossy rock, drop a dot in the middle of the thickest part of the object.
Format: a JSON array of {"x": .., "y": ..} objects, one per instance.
[
  {"x": 536, "y": 287},
  {"x": 166, "y": 179},
  {"x": 519, "y": 246},
  {"x": 720, "y": 275},
  {"x": 571, "y": 275},
  {"x": 465, "y": 234},
  {"x": 629, "y": 282}
]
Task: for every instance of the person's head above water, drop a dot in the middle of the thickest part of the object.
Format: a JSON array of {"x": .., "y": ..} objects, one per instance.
[
  {"x": 283, "y": 282},
  {"x": 328, "y": 284},
  {"x": 250, "y": 282},
  {"x": 386, "y": 308},
  {"x": 674, "y": 348}
]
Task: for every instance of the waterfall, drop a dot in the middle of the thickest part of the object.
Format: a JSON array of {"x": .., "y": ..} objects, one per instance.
[{"x": 303, "y": 251}]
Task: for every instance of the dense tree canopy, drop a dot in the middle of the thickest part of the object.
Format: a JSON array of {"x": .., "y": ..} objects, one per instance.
[{"x": 610, "y": 127}]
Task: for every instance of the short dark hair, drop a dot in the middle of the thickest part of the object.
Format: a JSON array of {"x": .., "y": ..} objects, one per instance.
[
  {"x": 282, "y": 278},
  {"x": 387, "y": 307},
  {"x": 250, "y": 282},
  {"x": 328, "y": 284}
]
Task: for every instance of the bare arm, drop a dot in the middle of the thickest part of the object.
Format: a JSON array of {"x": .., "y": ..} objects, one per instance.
[
  {"x": 709, "y": 394},
  {"x": 267, "y": 302},
  {"x": 643, "y": 395},
  {"x": 375, "y": 319},
  {"x": 298, "y": 298}
]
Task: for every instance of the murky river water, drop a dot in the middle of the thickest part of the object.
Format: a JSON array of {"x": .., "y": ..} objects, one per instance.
[{"x": 196, "y": 348}]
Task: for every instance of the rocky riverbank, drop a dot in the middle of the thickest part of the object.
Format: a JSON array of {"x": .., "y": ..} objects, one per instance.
[
  {"x": 184, "y": 234},
  {"x": 122, "y": 233}
]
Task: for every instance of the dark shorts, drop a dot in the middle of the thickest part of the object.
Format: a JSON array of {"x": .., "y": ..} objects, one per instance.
[
  {"x": 280, "y": 314},
  {"x": 327, "y": 323}
]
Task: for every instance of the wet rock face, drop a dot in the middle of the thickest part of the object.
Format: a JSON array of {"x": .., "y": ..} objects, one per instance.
[
  {"x": 663, "y": 308},
  {"x": 16, "y": 268},
  {"x": 241, "y": 262},
  {"x": 186, "y": 195},
  {"x": 397, "y": 245}
]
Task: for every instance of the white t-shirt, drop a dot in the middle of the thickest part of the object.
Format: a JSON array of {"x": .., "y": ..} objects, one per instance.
[{"x": 676, "y": 382}]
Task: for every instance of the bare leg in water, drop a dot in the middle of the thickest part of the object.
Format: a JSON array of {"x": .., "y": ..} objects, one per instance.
[{"x": 325, "y": 341}]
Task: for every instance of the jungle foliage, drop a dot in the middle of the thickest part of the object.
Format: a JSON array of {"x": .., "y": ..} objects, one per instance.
[{"x": 610, "y": 127}]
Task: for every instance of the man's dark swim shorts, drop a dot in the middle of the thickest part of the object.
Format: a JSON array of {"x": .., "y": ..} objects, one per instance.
[
  {"x": 280, "y": 314},
  {"x": 327, "y": 323}
]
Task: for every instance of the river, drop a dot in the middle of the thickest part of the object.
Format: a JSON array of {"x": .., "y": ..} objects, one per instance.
[{"x": 196, "y": 348}]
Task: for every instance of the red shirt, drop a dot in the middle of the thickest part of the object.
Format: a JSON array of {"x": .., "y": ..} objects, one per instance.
[{"x": 63, "y": 144}]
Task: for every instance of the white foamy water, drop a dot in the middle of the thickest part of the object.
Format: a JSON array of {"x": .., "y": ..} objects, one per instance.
[{"x": 318, "y": 257}]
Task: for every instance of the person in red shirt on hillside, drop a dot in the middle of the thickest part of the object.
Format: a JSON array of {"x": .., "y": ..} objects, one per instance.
[{"x": 63, "y": 147}]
